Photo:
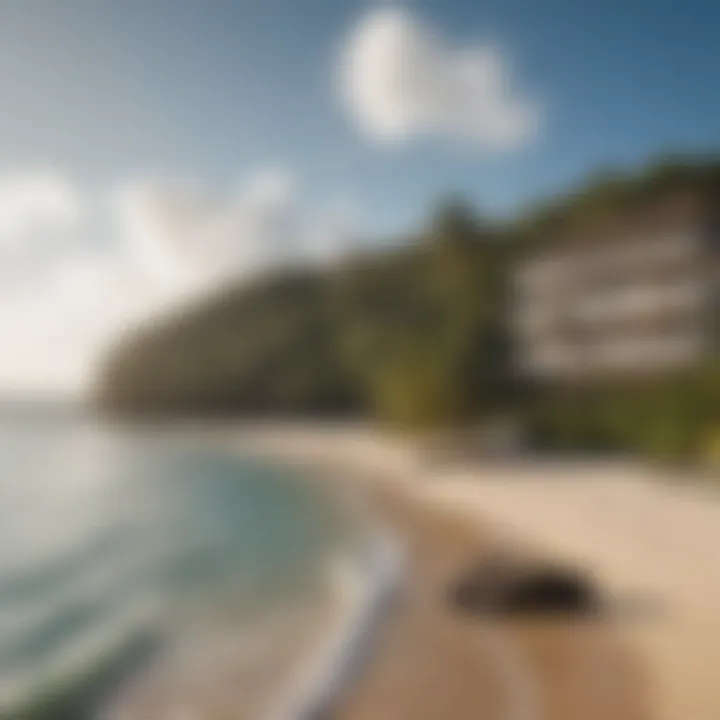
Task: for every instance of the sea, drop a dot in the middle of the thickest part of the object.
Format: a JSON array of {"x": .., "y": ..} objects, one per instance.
[{"x": 144, "y": 574}]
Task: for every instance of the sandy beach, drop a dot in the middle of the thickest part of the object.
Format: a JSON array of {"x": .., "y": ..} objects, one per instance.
[
  {"x": 647, "y": 538},
  {"x": 650, "y": 539}
]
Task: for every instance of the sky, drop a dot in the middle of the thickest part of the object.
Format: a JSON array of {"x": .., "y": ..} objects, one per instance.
[{"x": 150, "y": 148}]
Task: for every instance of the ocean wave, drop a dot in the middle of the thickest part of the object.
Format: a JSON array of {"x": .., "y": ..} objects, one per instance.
[
  {"x": 64, "y": 678},
  {"x": 46, "y": 603},
  {"x": 364, "y": 588}
]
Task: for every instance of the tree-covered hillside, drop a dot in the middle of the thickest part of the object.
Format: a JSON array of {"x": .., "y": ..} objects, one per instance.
[
  {"x": 410, "y": 334},
  {"x": 413, "y": 335},
  {"x": 269, "y": 347}
]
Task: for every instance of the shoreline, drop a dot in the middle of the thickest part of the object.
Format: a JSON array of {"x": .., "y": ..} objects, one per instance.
[
  {"x": 339, "y": 651},
  {"x": 650, "y": 539},
  {"x": 317, "y": 655},
  {"x": 421, "y": 660}
]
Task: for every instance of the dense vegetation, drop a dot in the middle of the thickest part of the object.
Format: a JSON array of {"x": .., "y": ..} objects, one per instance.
[
  {"x": 269, "y": 348},
  {"x": 411, "y": 335},
  {"x": 415, "y": 335}
]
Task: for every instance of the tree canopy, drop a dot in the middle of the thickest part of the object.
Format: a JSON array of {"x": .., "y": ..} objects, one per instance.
[{"x": 413, "y": 335}]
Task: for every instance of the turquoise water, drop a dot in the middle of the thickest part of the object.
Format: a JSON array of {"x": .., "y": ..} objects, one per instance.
[{"x": 111, "y": 543}]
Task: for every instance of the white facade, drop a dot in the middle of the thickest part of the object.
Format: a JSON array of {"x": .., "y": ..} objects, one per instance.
[{"x": 624, "y": 306}]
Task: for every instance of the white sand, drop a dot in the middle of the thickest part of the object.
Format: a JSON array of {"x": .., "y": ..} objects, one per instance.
[{"x": 651, "y": 538}]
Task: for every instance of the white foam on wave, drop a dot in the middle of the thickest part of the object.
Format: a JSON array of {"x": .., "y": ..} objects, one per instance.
[{"x": 363, "y": 590}]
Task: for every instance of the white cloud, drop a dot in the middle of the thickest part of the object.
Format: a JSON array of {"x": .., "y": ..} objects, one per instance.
[
  {"x": 183, "y": 236},
  {"x": 400, "y": 80},
  {"x": 34, "y": 204},
  {"x": 162, "y": 242},
  {"x": 176, "y": 230}
]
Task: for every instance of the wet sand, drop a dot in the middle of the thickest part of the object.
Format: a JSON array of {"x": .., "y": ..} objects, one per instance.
[
  {"x": 220, "y": 672},
  {"x": 651, "y": 542},
  {"x": 650, "y": 536},
  {"x": 422, "y": 661},
  {"x": 428, "y": 661}
]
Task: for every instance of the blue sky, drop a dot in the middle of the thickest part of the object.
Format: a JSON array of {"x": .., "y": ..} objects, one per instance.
[
  {"x": 150, "y": 147},
  {"x": 214, "y": 88}
]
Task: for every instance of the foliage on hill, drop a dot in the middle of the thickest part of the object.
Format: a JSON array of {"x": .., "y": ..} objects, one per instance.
[
  {"x": 614, "y": 194},
  {"x": 422, "y": 328},
  {"x": 413, "y": 335},
  {"x": 670, "y": 417},
  {"x": 270, "y": 347},
  {"x": 408, "y": 334}
]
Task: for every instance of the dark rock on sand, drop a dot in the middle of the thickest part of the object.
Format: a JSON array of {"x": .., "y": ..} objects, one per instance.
[{"x": 511, "y": 585}]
